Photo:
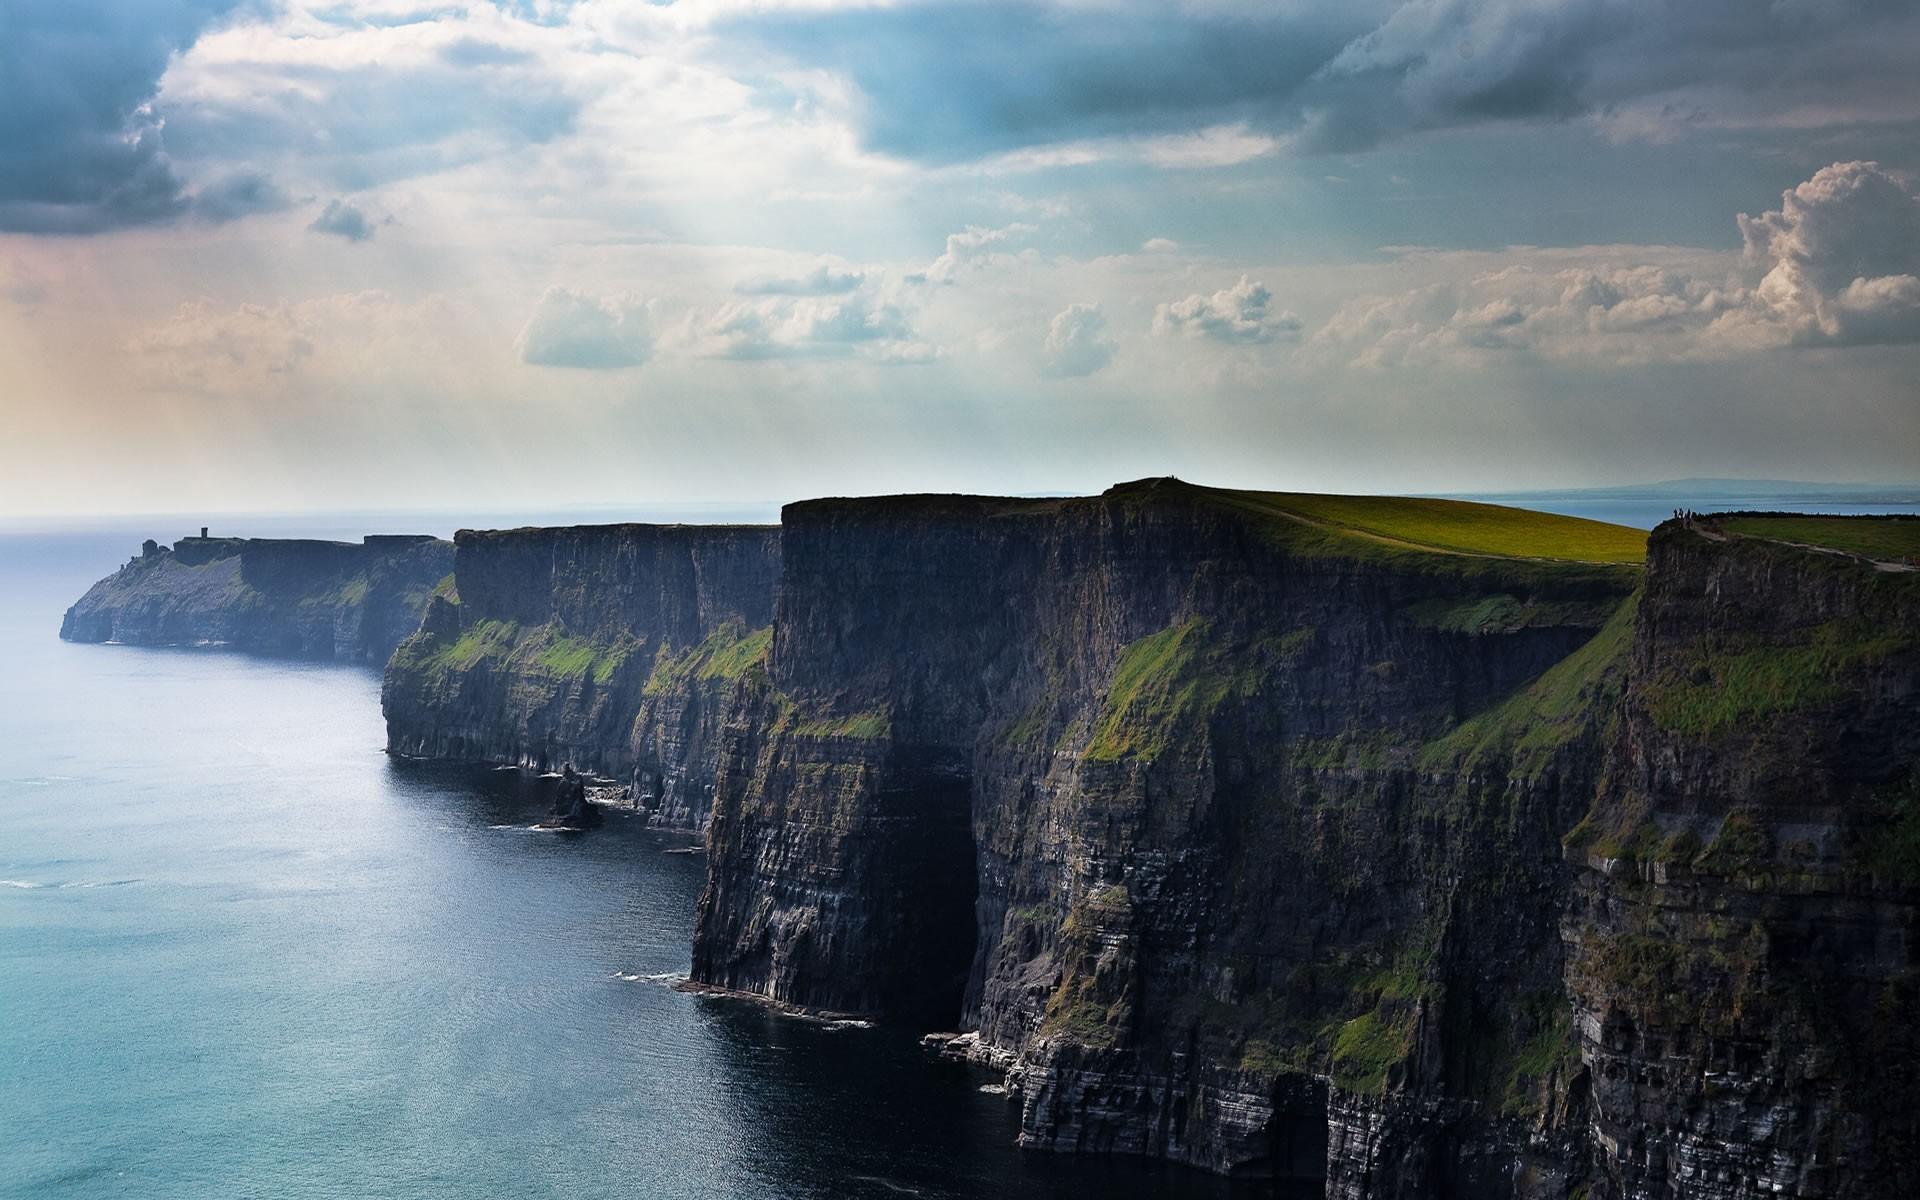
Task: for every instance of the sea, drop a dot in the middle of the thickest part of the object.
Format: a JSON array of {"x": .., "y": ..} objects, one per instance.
[{"x": 243, "y": 953}]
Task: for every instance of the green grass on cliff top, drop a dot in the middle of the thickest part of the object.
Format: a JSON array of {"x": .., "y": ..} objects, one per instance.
[
  {"x": 1885, "y": 538},
  {"x": 1451, "y": 526}
]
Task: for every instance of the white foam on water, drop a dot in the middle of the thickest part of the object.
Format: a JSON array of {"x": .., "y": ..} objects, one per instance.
[{"x": 664, "y": 977}]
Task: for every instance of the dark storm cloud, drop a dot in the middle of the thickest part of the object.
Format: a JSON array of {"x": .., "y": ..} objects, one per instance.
[
  {"x": 365, "y": 125},
  {"x": 949, "y": 81},
  {"x": 80, "y": 148},
  {"x": 87, "y": 145}
]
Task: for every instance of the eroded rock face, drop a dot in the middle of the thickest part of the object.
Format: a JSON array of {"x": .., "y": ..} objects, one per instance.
[
  {"x": 615, "y": 648},
  {"x": 1236, "y": 841},
  {"x": 1266, "y": 866},
  {"x": 1233, "y": 849},
  {"x": 311, "y": 599},
  {"x": 1742, "y": 930}
]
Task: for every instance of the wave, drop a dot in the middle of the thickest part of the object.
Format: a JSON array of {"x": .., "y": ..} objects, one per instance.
[
  {"x": 663, "y": 977},
  {"x": 32, "y": 885}
]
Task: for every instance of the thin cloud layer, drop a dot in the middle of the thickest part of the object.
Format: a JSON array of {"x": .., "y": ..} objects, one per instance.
[
  {"x": 821, "y": 281},
  {"x": 203, "y": 348},
  {"x": 343, "y": 220},
  {"x": 574, "y": 330},
  {"x": 244, "y": 194}
]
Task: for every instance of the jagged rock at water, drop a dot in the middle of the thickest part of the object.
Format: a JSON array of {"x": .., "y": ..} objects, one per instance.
[
  {"x": 571, "y": 807},
  {"x": 612, "y": 647},
  {"x": 1238, "y": 838},
  {"x": 311, "y": 599}
]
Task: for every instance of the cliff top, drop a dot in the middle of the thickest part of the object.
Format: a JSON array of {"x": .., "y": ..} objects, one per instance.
[
  {"x": 1449, "y": 526},
  {"x": 1341, "y": 524},
  {"x": 620, "y": 529},
  {"x": 1881, "y": 538}
]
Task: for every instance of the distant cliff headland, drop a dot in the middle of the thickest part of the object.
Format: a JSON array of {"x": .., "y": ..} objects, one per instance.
[
  {"x": 1400, "y": 848},
  {"x": 311, "y": 599}
]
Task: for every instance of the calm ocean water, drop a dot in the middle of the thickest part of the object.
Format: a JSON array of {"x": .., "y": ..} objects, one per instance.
[{"x": 242, "y": 954}]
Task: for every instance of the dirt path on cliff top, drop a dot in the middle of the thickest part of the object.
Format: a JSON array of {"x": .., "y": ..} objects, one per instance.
[
  {"x": 1878, "y": 564},
  {"x": 1428, "y": 548}
]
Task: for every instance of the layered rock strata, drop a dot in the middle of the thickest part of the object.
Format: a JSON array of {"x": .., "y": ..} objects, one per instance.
[
  {"x": 1741, "y": 938},
  {"x": 612, "y": 648},
  {"x": 1239, "y": 841}
]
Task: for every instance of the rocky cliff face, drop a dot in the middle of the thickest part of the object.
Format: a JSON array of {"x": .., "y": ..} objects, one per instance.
[
  {"x": 1238, "y": 841},
  {"x": 312, "y": 599},
  {"x": 1741, "y": 942},
  {"x": 614, "y": 648},
  {"x": 1233, "y": 835},
  {"x": 1204, "y": 819}
]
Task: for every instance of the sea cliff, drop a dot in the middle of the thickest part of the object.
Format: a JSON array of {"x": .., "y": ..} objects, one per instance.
[
  {"x": 1246, "y": 835},
  {"x": 613, "y": 648},
  {"x": 1385, "y": 848},
  {"x": 349, "y": 601}
]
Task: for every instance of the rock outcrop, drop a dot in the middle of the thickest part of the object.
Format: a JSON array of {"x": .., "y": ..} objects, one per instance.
[
  {"x": 349, "y": 601},
  {"x": 1238, "y": 840},
  {"x": 611, "y": 648}
]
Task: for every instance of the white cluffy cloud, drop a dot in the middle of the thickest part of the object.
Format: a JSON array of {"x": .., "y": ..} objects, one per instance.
[
  {"x": 782, "y": 326},
  {"x": 1077, "y": 343},
  {"x": 972, "y": 247},
  {"x": 1242, "y": 313},
  {"x": 572, "y": 329},
  {"x": 1842, "y": 261},
  {"x": 1838, "y": 264}
]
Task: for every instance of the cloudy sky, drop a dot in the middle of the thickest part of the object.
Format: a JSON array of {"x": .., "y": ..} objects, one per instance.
[{"x": 264, "y": 254}]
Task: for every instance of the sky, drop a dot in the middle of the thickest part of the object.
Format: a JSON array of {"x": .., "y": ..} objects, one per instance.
[{"x": 258, "y": 255}]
